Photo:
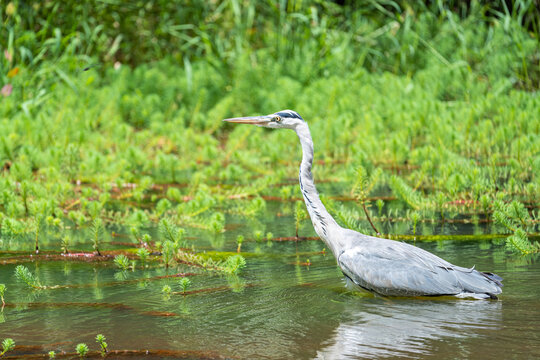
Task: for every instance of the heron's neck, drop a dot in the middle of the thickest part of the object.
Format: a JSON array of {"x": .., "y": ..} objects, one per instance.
[{"x": 323, "y": 222}]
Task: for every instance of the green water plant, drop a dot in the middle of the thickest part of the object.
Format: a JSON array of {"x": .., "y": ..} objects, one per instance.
[
  {"x": 100, "y": 339},
  {"x": 82, "y": 350},
  {"x": 185, "y": 284},
  {"x": 65, "y": 243},
  {"x": 239, "y": 241},
  {"x": 168, "y": 231},
  {"x": 96, "y": 230},
  {"x": 168, "y": 253},
  {"x": 234, "y": 264},
  {"x": 7, "y": 345},
  {"x": 143, "y": 254},
  {"x": 2, "y": 294},
  {"x": 300, "y": 215},
  {"x": 515, "y": 219},
  {"x": 23, "y": 274},
  {"x": 363, "y": 185},
  {"x": 51, "y": 354},
  {"x": 122, "y": 262}
]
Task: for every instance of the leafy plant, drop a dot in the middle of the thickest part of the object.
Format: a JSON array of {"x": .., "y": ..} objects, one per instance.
[
  {"x": 234, "y": 264},
  {"x": 82, "y": 350},
  {"x": 239, "y": 241},
  {"x": 166, "y": 289},
  {"x": 122, "y": 262},
  {"x": 143, "y": 254},
  {"x": 24, "y": 275},
  {"x": 7, "y": 345},
  {"x": 100, "y": 339},
  {"x": 2, "y": 294},
  {"x": 97, "y": 232},
  {"x": 52, "y": 354},
  {"x": 185, "y": 284},
  {"x": 515, "y": 219},
  {"x": 300, "y": 215}
]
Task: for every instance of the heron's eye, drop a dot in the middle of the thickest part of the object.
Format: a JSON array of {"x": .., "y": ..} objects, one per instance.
[{"x": 276, "y": 119}]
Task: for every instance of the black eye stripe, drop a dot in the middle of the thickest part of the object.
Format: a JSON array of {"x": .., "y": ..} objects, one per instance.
[{"x": 289, "y": 114}]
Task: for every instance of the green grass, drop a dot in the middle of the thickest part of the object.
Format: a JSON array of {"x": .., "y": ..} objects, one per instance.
[{"x": 435, "y": 108}]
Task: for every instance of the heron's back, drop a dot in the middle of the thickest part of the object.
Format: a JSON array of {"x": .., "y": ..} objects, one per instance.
[{"x": 395, "y": 268}]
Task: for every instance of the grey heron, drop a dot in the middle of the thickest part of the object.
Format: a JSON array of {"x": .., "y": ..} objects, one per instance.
[{"x": 383, "y": 266}]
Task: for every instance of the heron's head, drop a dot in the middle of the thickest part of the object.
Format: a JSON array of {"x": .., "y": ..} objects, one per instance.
[{"x": 287, "y": 119}]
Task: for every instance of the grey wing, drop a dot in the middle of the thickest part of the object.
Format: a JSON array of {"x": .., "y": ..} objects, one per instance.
[{"x": 392, "y": 268}]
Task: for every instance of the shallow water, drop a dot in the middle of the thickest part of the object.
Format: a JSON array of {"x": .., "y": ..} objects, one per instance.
[{"x": 278, "y": 308}]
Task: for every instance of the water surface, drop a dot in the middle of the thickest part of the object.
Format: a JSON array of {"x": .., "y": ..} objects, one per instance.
[{"x": 278, "y": 308}]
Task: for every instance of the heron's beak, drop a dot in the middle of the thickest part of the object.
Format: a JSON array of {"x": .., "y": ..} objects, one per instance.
[{"x": 255, "y": 120}]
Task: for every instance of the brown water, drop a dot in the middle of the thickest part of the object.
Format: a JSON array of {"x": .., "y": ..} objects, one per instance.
[{"x": 278, "y": 308}]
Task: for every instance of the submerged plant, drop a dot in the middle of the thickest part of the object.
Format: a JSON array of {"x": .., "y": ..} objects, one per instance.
[
  {"x": 51, "y": 354},
  {"x": 7, "y": 345},
  {"x": 82, "y": 350},
  {"x": 100, "y": 339}
]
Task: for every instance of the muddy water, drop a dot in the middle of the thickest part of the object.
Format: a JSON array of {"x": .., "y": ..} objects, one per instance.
[{"x": 278, "y": 308}]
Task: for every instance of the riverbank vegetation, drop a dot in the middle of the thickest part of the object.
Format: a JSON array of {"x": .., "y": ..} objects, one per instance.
[{"x": 420, "y": 114}]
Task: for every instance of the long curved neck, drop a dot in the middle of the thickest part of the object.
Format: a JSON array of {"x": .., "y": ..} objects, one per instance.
[{"x": 323, "y": 222}]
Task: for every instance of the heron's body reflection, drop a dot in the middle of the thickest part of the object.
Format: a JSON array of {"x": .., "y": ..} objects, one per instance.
[{"x": 378, "y": 328}]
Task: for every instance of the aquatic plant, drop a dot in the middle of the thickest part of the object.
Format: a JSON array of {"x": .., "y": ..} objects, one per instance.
[
  {"x": 143, "y": 254},
  {"x": 2, "y": 294},
  {"x": 168, "y": 231},
  {"x": 185, "y": 284},
  {"x": 168, "y": 252},
  {"x": 51, "y": 354},
  {"x": 7, "y": 345},
  {"x": 96, "y": 230},
  {"x": 24, "y": 275},
  {"x": 515, "y": 219},
  {"x": 122, "y": 262},
  {"x": 65, "y": 243},
  {"x": 239, "y": 241},
  {"x": 82, "y": 350},
  {"x": 363, "y": 185},
  {"x": 217, "y": 223},
  {"x": 234, "y": 264},
  {"x": 258, "y": 235},
  {"x": 166, "y": 289},
  {"x": 100, "y": 339},
  {"x": 300, "y": 215}
]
